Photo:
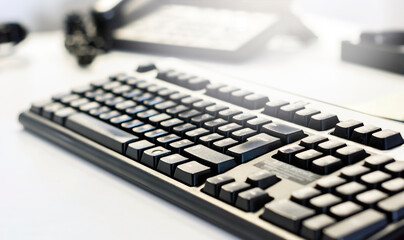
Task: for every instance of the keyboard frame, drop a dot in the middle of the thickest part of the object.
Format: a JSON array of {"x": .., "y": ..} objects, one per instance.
[{"x": 242, "y": 224}]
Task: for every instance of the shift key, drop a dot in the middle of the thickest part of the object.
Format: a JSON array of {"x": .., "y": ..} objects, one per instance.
[{"x": 100, "y": 132}]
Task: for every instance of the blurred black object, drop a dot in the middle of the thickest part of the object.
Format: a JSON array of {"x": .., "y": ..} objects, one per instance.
[
  {"x": 383, "y": 50},
  {"x": 12, "y": 33}
]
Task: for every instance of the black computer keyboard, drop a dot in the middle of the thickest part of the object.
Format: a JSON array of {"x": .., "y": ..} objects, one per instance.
[{"x": 258, "y": 162}]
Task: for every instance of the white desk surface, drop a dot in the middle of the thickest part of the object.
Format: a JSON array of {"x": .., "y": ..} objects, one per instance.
[{"x": 48, "y": 193}]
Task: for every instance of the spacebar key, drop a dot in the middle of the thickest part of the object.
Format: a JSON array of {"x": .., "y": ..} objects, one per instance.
[{"x": 99, "y": 131}]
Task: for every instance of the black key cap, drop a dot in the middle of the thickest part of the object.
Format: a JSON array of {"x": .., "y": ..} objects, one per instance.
[
  {"x": 302, "y": 117},
  {"x": 174, "y": 111},
  {"x": 272, "y": 107},
  {"x": 212, "y": 89},
  {"x": 254, "y": 101},
  {"x": 257, "y": 123},
  {"x": 188, "y": 101},
  {"x": 386, "y": 139},
  {"x": 169, "y": 124},
  {"x": 395, "y": 168},
  {"x": 287, "y": 214},
  {"x": 227, "y": 129},
  {"x": 125, "y": 105},
  {"x": 132, "y": 124},
  {"x": 146, "y": 67},
  {"x": 351, "y": 154},
  {"x": 135, "y": 110},
  {"x": 93, "y": 94},
  {"x": 228, "y": 113},
  {"x": 243, "y": 118},
  {"x": 168, "y": 164},
  {"x": 393, "y": 186},
  {"x": 120, "y": 119},
  {"x": 166, "y": 93},
  {"x": 153, "y": 135},
  {"x": 79, "y": 102},
  {"x": 153, "y": 101},
  {"x": 330, "y": 147},
  {"x": 144, "y": 85},
  {"x": 109, "y": 115},
  {"x": 89, "y": 106},
  {"x": 287, "y": 112},
  {"x": 215, "y": 109},
  {"x": 69, "y": 98},
  {"x": 375, "y": 179},
  {"x": 229, "y": 192},
  {"x": 50, "y": 109},
  {"x": 167, "y": 139},
  {"x": 209, "y": 139},
  {"x": 285, "y": 133},
  {"x": 165, "y": 105},
  {"x": 254, "y": 147},
  {"x": 305, "y": 158},
  {"x": 176, "y": 97},
  {"x": 262, "y": 179},
  {"x": 157, "y": 119},
  {"x": 312, "y": 141},
  {"x": 155, "y": 89},
  {"x": 102, "y": 98},
  {"x": 151, "y": 156},
  {"x": 362, "y": 134},
  {"x": 218, "y": 162},
  {"x": 100, "y": 132},
  {"x": 224, "y": 144},
  {"x": 195, "y": 134},
  {"x": 140, "y": 130},
  {"x": 146, "y": 114},
  {"x": 326, "y": 165},
  {"x": 214, "y": 184},
  {"x": 133, "y": 93},
  {"x": 179, "y": 146},
  {"x": 197, "y": 83},
  {"x": 192, "y": 173},
  {"x": 58, "y": 97},
  {"x": 378, "y": 161},
  {"x": 345, "y": 209},
  {"x": 111, "y": 85},
  {"x": 99, "y": 83},
  {"x": 237, "y": 97},
  {"x": 312, "y": 227},
  {"x": 136, "y": 149},
  {"x": 393, "y": 206},
  {"x": 324, "y": 202},
  {"x": 242, "y": 134},
  {"x": 122, "y": 89},
  {"x": 224, "y": 92},
  {"x": 37, "y": 106},
  {"x": 328, "y": 184},
  {"x": 187, "y": 115},
  {"x": 181, "y": 129},
  {"x": 214, "y": 124},
  {"x": 323, "y": 121},
  {"x": 143, "y": 97},
  {"x": 60, "y": 115},
  {"x": 303, "y": 195},
  {"x": 201, "y": 119},
  {"x": 202, "y": 105},
  {"x": 252, "y": 199},
  {"x": 98, "y": 111},
  {"x": 350, "y": 190},
  {"x": 359, "y": 226},
  {"x": 353, "y": 173},
  {"x": 345, "y": 129},
  {"x": 371, "y": 198},
  {"x": 182, "y": 79}
]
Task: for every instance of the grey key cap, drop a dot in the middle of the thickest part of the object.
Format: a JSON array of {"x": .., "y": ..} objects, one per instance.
[
  {"x": 100, "y": 132},
  {"x": 359, "y": 226}
]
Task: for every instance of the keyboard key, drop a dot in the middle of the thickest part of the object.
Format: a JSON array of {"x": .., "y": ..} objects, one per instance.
[
  {"x": 133, "y": 93},
  {"x": 330, "y": 147},
  {"x": 146, "y": 67},
  {"x": 375, "y": 179},
  {"x": 70, "y": 98},
  {"x": 224, "y": 92},
  {"x": 242, "y": 118},
  {"x": 324, "y": 202},
  {"x": 214, "y": 124},
  {"x": 176, "y": 97},
  {"x": 371, "y": 197},
  {"x": 167, "y": 139},
  {"x": 143, "y": 97},
  {"x": 60, "y": 115},
  {"x": 146, "y": 114},
  {"x": 323, "y": 121},
  {"x": 229, "y": 192},
  {"x": 312, "y": 227},
  {"x": 202, "y": 105},
  {"x": 166, "y": 93},
  {"x": 252, "y": 199},
  {"x": 326, "y": 165},
  {"x": 168, "y": 164},
  {"x": 287, "y": 112},
  {"x": 120, "y": 119},
  {"x": 351, "y": 154},
  {"x": 254, "y": 147},
  {"x": 377, "y": 162},
  {"x": 197, "y": 83},
  {"x": 257, "y": 123},
  {"x": 285, "y": 133},
  {"x": 122, "y": 89},
  {"x": 187, "y": 115},
  {"x": 181, "y": 129},
  {"x": 393, "y": 186},
  {"x": 207, "y": 140},
  {"x": 140, "y": 130},
  {"x": 345, "y": 209},
  {"x": 201, "y": 119},
  {"x": 227, "y": 129},
  {"x": 212, "y": 89},
  {"x": 195, "y": 134},
  {"x": 359, "y": 226},
  {"x": 151, "y": 156},
  {"x": 88, "y": 106},
  {"x": 254, "y": 101},
  {"x": 179, "y": 146},
  {"x": 169, "y": 124},
  {"x": 215, "y": 109},
  {"x": 109, "y": 115},
  {"x": 163, "y": 106},
  {"x": 304, "y": 159},
  {"x": 153, "y": 135},
  {"x": 328, "y": 184},
  {"x": 135, "y": 110},
  {"x": 174, "y": 111},
  {"x": 345, "y": 129},
  {"x": 303, "y": 195},
  {"x": 353, "y": 173},
  {"x": 287, "y": 214},
  {"x": 214, "y": 184},
  {"x": 157, "y": 119},
  {"x": 224, "y": 144},
  {"x": 218, "y": 162},
  {"x": 153, "y": 101},
  {"x": 50, "y": 109},
  {"x": 350, "y": 190},
  {"x": 242, "y": 134},
  {"x": 302, "y": 117},
  {"x": 393, "y": 206},
  {"x": 125, "y": 105},
  {"x": 131, "y": 124},
  {"x": 90, "y": 95},
  {"x": 262, "y": 179},
  {"x": 362, "y": 134},
  {"x": 386, "y": 139},
  {"x": 136, "y": 149},
  {"x": 100, "y": 132},
  {"x": 313, "y": 141},
  {"x": 192, "y": 173},
  {"x": 228, "y": 114},
  {"x": 395, "y": 168},
  {"x": 272, "y": 107},
  {"x": 79, "y": 102},
  {"x": 98, "y": 111},
  {"x": 237, "y": 97}
]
